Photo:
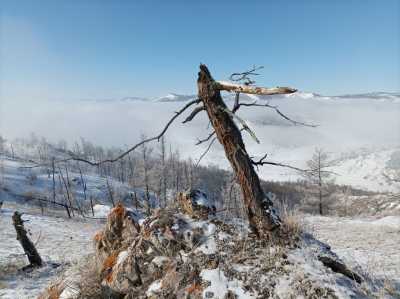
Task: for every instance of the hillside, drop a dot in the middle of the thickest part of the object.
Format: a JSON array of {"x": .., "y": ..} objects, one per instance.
[{"x": 350, "y": 127}]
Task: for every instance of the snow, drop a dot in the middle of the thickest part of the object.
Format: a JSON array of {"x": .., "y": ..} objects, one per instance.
[
  {"x": 122, "y": 256},
  {"x": 22, "y": 182},
  {"x": 220, "y": 285},
  {"x": 391, "y": 221},
  {"x": 58, "y": 241},
  {"x": 68, "y": 293},
  {"x": 370, "y": 243},
  {"x": 154, "y": 288},
  {"x": 201, "y": 199},
  {"x": 208, "y": 246},
  {"x": 160, "y": 260},
  {"x": 101, "y": 210}
]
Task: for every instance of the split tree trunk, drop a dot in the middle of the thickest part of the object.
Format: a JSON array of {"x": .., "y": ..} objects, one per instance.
[
  {"x": 262, "y": 217},
  {"x": 29, "y": 248}
]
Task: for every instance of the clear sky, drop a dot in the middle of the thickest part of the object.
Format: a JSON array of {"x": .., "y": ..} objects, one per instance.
[{"x": 108, "y": 49}]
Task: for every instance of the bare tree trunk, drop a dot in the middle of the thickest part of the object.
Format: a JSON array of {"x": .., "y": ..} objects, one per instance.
[
  {"x": 262, "y": 217},
  {"x": 29, "y": 248},
  {"x": 84, "y": 187},
  {"x": 146, "y": 177},
  {"x": 67, "y": 198},
  {"x": 12, "y": 151},
  {"x": 320, "y": 183},
  {"x": 110, "y": 193},
  {"x": 91, "y": 204},
  {"x": 54, "y": 181},
  {"x": 164, "y": 173}
]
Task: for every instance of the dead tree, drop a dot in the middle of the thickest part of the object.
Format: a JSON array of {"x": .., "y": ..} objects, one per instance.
[
  {"x": 54, "y": 181},
  {"x": 29, "y": 248},
  {"x": 262, "y": 217},
  {"x": 110, "y": 193},
  {"x": 318, "y": 174},
  {"x": 163, "y": 174}
]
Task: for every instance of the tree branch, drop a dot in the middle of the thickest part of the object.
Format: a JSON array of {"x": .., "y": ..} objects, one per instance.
[
  {"x": 193, "y": 114},
  {"x": 205, "y": 152},
  {"x": 261, "y": 162},
  {"x": 295, "y": 122},
  {"x": 228, "y": 86},
  {"x": 75, "y": 158},
  {"x": 200, "y": 141}
]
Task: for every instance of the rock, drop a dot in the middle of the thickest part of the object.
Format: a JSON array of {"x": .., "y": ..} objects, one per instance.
[{"x": 195, "y": 204}]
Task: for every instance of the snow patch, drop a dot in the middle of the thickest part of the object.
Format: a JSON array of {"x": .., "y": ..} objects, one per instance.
[
  {"x": 101, "y": 211},
  {"x": 392, "y": 221},
  {"x": 154, "y": 288},
  {"x": 220, "y": 285}
]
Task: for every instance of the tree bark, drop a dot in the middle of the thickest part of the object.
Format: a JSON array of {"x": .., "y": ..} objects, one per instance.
[
  {"x": 29, "y": 248},
  {"x": 262, "y": 217}
]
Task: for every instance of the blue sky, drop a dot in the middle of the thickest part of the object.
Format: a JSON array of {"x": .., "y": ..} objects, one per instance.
[{"x": 109, "y": 49}]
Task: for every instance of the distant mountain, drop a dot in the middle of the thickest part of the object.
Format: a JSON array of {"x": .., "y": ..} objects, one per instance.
[
  {"x": 372, "y": 95},
  {"x": 132, "y": 99},
  {"x": 173, "y": 97},
  {"x": 393, "y": 97}
]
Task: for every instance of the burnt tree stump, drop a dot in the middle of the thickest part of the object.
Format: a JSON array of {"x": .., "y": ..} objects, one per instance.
[{"x": 29, "y": 248}]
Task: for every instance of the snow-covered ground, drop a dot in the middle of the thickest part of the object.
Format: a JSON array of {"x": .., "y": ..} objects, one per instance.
[
  {"x": 60, "y": 242},
  {"x": 18, "y": 181},
  {"x": 372, "y": 243}
]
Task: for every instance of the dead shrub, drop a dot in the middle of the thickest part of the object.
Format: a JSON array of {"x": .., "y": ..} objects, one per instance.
[{"x": 90, "y": 282}]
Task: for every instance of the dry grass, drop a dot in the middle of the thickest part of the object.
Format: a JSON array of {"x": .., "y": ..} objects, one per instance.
[
  {"x": 292, "y": 226},
  {"x": 118, "y": 212},
  {"x": 11, "y": 266},
  {"x": 53, "y": 291},
  {"x": 90, "y": 281},
  {"x": 98, "y": 236}
]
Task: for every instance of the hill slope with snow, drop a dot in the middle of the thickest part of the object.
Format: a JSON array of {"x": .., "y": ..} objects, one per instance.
[{"x": 348, "y": 126}]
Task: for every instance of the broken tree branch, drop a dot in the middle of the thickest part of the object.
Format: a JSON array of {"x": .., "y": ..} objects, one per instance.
[{"x": 233, "y": 87}]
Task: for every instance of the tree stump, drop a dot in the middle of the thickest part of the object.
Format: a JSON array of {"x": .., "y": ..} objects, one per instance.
[{"x": 29, "y": 248}]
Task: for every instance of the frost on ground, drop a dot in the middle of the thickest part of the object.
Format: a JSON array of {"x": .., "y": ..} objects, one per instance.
[
  {"x": 371, "y": 243},
  {"x": 192, "y": 251},
  {"x": 173, "y": 254},
  {"x": 60, "y": 242}
]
